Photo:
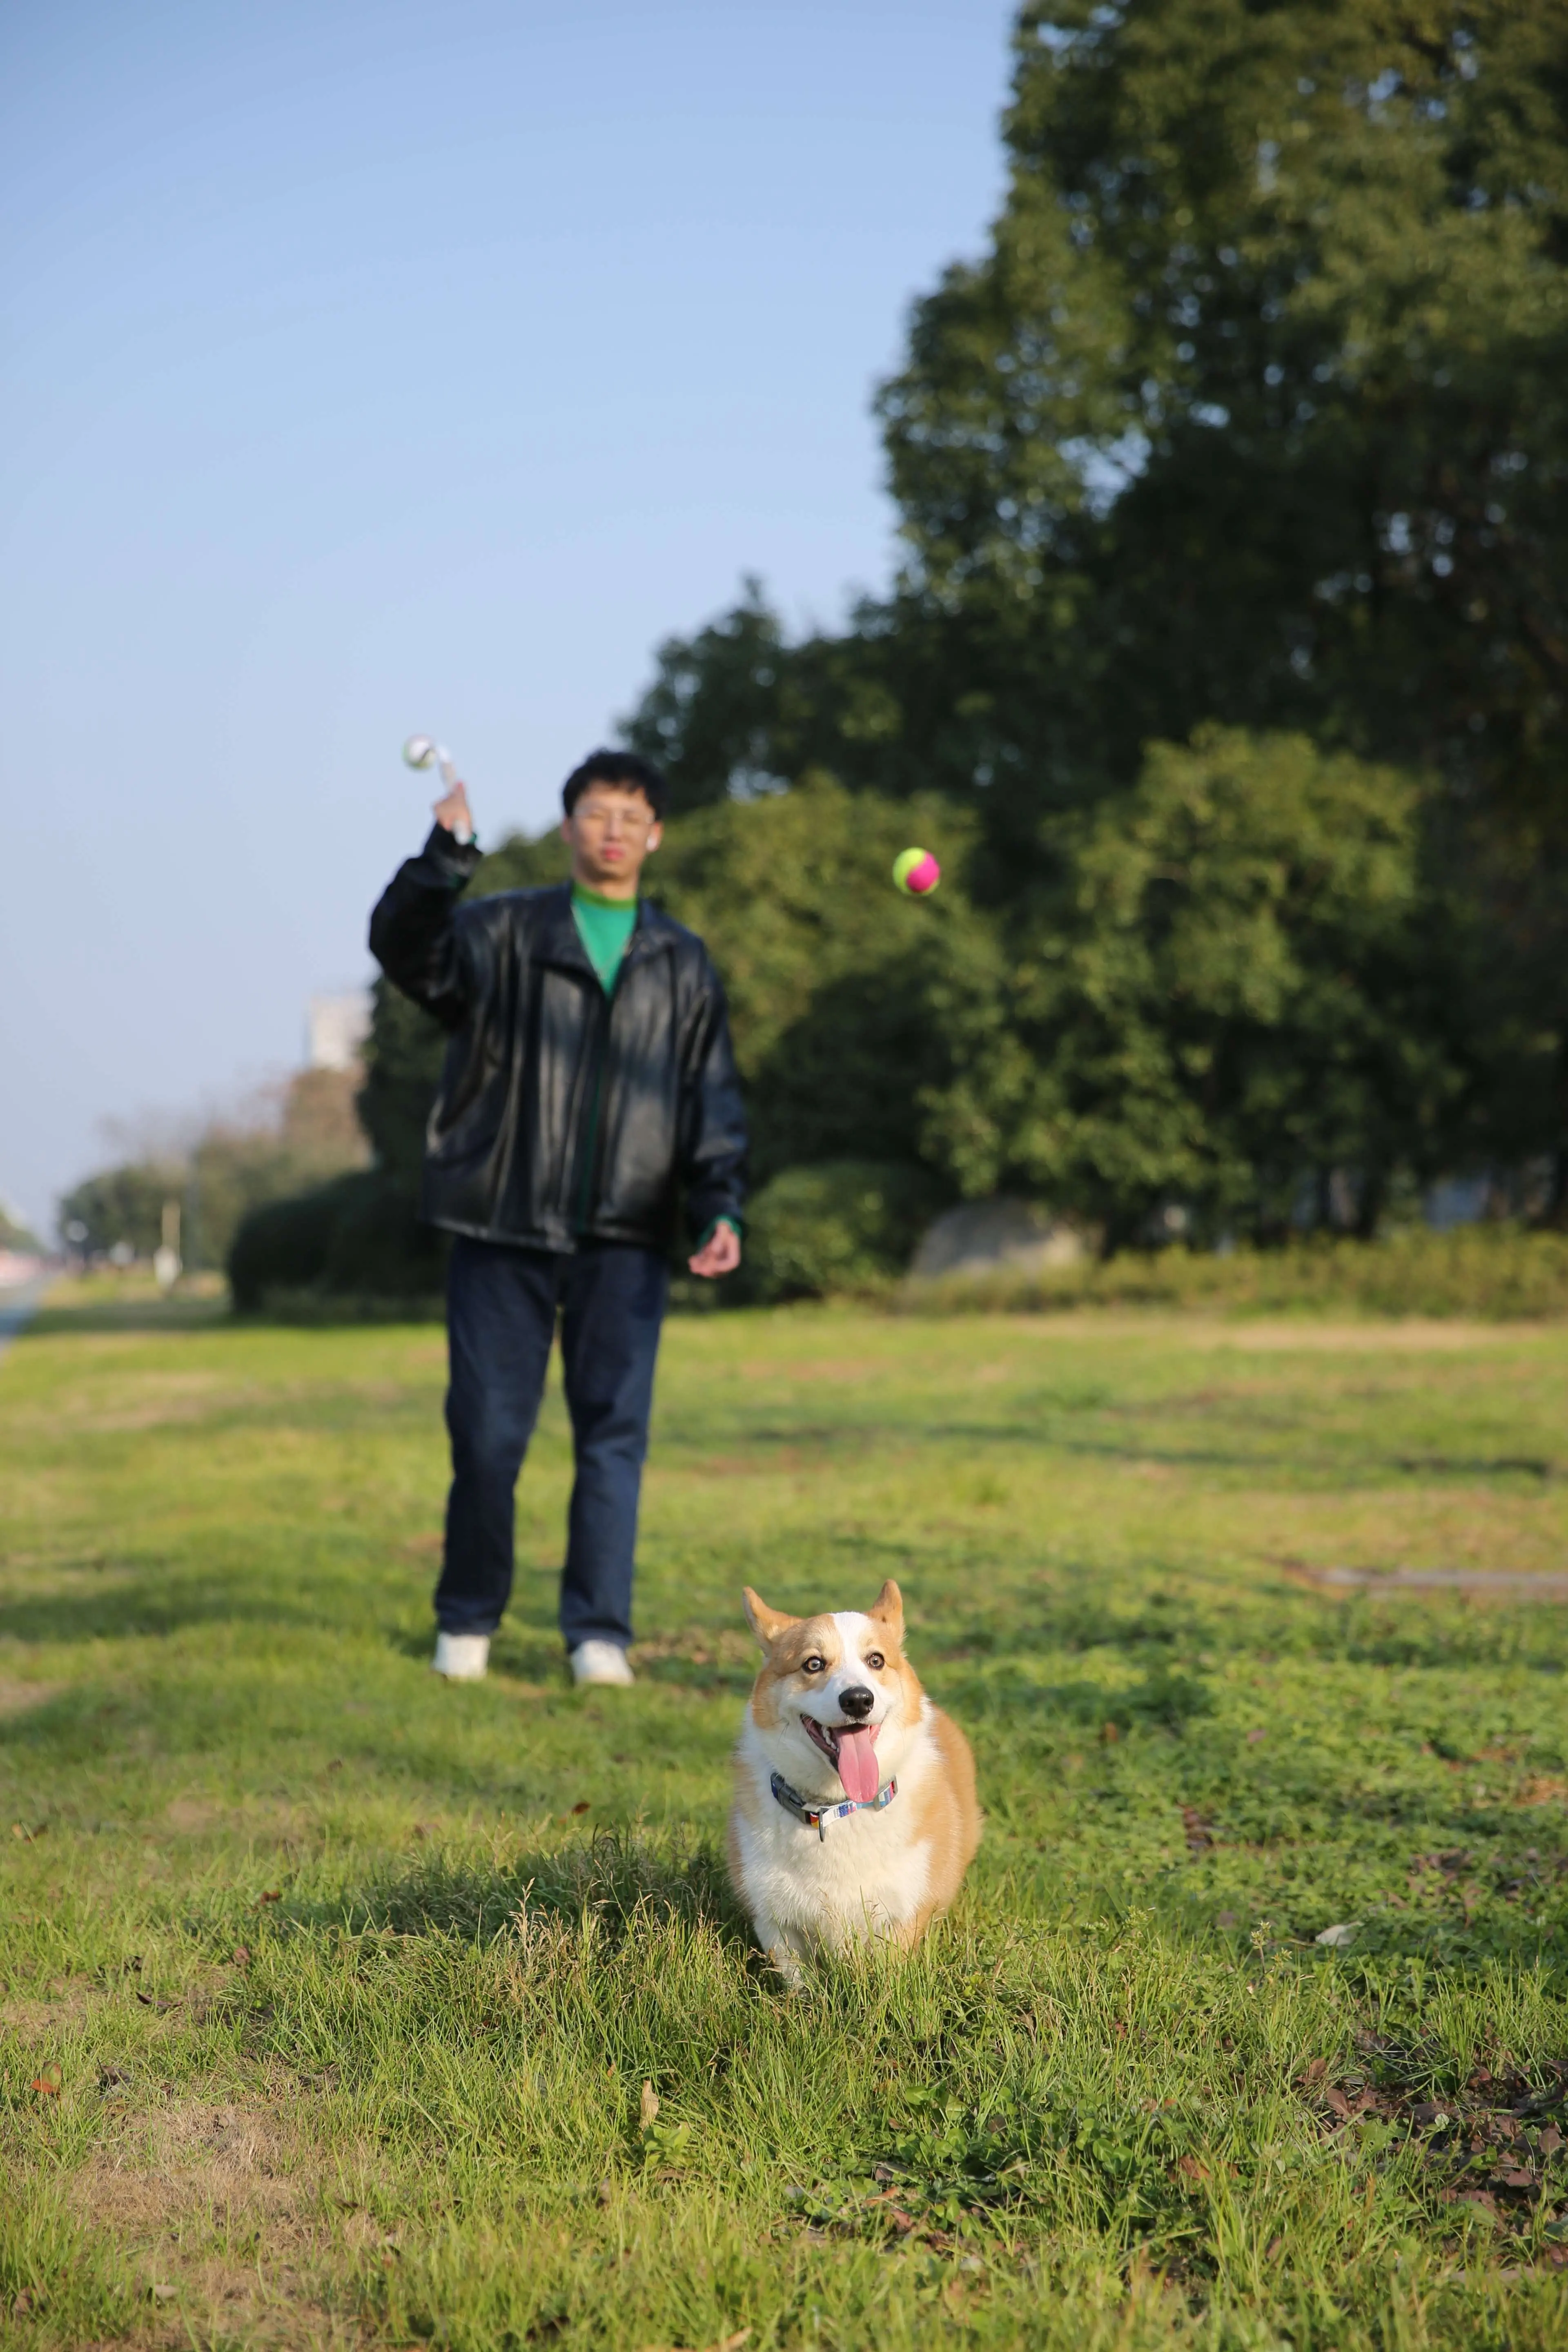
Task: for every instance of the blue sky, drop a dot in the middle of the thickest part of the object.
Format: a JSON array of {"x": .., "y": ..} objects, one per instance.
[{"x": 368, "y": 369}]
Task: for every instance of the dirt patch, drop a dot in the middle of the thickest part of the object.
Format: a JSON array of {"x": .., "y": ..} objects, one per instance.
[
  {"x": 698, "y": 1649},
  {"x": 192, "y": 1813},
  {"x": 180, "y": 2191},
  {"x": 1401, "y": 1335},
  {"x": 1476, "y": 1583},
  {"x": 15, "y": 1698},
  {"x": 766, "y": 1462},
  {"x": 65, "y": 2005},
  {"x": 195, "y": 2158}
]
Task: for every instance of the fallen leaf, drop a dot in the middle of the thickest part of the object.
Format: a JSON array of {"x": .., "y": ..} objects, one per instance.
[
  {"x": 1337, "y": 1938},
  {"x": 1480, "y": 2196},
  {"x": 272, "y": 1895},
  {"x": 1255, "y": 1734},
  {"x": 1272, "y": 2250},
  {"x": 582, "y": 1806},
  {"x": 1192, "y": 2168},
  {"x": 1109, "y": 1735},
  {"x": 51, "y": 2090},
  {"x": 649, "y": 2107},
  {"x": 242, "y": 1955},
  {"x": 1225, "y": 1919}
]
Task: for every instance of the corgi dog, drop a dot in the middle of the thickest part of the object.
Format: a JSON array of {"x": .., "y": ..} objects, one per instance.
[{"x": 855, "y": 1815}]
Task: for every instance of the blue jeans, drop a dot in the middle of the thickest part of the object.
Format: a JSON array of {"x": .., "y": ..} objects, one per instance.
[{"x": 501, "y": 1318}]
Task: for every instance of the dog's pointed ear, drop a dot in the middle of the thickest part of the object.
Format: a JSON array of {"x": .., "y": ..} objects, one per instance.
[
  {"x": 766, "y": 1623},
  {"x": 887, "y": 1609}
]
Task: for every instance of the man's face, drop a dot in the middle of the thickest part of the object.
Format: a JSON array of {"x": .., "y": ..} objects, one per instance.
[{"x": 611, "y": 831}]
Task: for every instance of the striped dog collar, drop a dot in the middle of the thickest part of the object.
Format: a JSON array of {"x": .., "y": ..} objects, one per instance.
[{"x": 817, "y": 1817}]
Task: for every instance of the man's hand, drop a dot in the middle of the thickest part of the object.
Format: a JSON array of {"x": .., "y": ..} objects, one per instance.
[
  {"x": 719, "y": 1254},
  {"x": 453, "y": 812}
]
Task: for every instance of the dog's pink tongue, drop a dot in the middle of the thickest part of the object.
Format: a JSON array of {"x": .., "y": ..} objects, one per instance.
[{"x": 857, "y": 1763}]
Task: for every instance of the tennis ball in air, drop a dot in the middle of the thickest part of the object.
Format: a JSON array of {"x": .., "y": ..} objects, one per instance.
[{"x": 916, "y": 872}]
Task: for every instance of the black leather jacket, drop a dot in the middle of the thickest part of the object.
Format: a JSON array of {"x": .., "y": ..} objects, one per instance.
[{"x": 564, "y": 1114}]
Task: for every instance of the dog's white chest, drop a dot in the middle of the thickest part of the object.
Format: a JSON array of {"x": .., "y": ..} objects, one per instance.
[{"x": 866, "y": 1874}]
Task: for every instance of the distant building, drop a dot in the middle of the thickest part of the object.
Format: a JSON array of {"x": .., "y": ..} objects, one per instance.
[{"x": 336, "y": 1029}]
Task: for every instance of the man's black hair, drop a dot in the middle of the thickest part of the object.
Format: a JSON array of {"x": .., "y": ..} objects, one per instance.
[{"x": 627, "y": 769}]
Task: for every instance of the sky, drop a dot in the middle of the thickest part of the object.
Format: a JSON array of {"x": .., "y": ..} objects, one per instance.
[{"x": 415, "y": 366}]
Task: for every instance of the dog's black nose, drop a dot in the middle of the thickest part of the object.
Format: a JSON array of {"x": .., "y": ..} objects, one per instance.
[{"x": 857, "y": 1702}]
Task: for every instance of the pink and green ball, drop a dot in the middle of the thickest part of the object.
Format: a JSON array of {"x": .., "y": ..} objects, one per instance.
[{"x": 916, "y": 872}]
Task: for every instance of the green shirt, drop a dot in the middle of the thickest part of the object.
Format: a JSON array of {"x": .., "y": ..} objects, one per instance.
[{"x": 603, "y": 926}]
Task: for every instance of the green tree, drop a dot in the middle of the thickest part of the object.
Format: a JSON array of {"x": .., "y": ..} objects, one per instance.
[
  {"x": 1239, "y": 982},
  {"x": 121, "y": 1206},
  {"x": 1257, "y": 406},
  {"x": 1253, "y": 410}
]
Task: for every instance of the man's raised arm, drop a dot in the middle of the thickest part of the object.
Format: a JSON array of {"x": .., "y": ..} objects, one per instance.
[{"x": 412, "y": 931}]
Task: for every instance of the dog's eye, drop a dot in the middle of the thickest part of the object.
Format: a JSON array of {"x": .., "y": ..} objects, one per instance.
[
  {"x": 812, "y": 1665},
  {"x": 875, "y": 1661}
]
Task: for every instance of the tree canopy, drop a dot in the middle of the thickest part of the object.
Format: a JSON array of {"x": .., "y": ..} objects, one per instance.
[{"x": 1255, "y": 409}]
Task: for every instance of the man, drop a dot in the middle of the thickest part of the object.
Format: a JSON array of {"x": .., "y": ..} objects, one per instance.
[{"x": 588, "y": 1082}]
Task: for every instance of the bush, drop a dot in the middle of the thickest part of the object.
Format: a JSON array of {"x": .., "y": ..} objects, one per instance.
[
  {"x": 379, "y": 1246},
  {"x": 842, "y": 1224},
  {"x": 1495, "y": 1271},
  {"x": 358, "y": 1235}
]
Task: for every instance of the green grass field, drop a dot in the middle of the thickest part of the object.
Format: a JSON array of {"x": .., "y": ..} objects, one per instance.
[{"x": 329, "y": 1993}]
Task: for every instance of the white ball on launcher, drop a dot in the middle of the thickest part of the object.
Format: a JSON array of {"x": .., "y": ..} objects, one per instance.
[{"x": 420, "y": 752}]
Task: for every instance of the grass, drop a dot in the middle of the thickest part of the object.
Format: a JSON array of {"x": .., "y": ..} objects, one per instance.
[{"x": 329, "y": 1993}]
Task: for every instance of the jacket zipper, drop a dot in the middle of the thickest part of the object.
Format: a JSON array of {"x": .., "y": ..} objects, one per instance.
[{"x": 590, "y": 1160}]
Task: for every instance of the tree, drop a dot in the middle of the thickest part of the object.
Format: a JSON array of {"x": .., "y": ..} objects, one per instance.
[
  {"x": 280, "y": 1138},
  {"x": 1254, "y": 410},
  {"x": 121, "y": 1206},
  {"x": 1239, "y": 985},
  {"x": 1258, "y": 407}
]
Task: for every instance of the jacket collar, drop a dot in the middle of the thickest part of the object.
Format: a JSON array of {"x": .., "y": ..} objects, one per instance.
[{"x": 559, "y": 941}]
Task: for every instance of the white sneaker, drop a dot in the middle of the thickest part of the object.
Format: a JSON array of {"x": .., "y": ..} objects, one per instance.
[
  {"x": 462, "y": 1657},
  {"x": 600, "y": 1662}
]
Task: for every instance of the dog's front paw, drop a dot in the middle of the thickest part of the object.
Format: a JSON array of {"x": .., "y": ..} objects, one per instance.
[{"x": 787, "y": 1964}]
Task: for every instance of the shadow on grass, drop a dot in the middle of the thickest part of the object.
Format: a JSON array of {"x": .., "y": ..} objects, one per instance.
[
  {"x": 126, "y": 1315},
  {"x": 618, "y": 1879}
]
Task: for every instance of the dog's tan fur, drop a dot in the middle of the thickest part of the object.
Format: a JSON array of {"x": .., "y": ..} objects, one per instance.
[{"x": 881, "y": 1875}]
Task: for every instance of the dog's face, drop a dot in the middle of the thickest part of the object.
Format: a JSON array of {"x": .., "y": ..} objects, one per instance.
[{"x": 835, "y": 1701}]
